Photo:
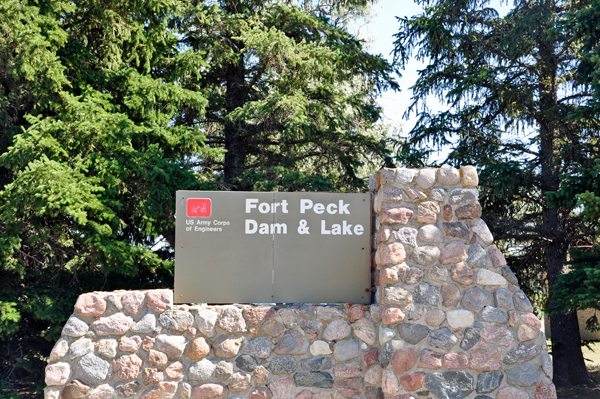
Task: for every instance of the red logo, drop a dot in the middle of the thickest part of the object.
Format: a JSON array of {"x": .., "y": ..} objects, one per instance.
[{"x": 199, "y": 207}]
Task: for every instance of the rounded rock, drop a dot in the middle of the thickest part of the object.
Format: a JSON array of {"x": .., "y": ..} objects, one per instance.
[{"x": 90, "y": 305}]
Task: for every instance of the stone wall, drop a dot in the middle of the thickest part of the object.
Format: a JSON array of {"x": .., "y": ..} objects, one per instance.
[{"x": 449, "y": 322}]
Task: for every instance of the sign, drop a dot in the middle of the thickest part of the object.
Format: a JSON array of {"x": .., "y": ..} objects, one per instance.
[{"x": 256, "y": 247}]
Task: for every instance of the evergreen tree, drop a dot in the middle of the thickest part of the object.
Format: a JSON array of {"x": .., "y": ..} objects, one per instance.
[
  {"x": 517, "y": 107},
  {"x": 291, "y": 93}
]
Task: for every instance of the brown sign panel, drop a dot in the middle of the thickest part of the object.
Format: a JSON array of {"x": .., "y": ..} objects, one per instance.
[{"x": 251, "y": 247}]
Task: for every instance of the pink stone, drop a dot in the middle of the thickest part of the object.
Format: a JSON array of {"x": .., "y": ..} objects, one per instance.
[
  {"x": 512, "y": 393},
  {"x": 453, "y": 252},
  {"x": 430, "y": 359},
  {"x": 209, "y": 391},
  {"x": 400, "y": 215},
  {"x": 350, "y": 387},
  {"x": 130, "y": 344},
  {"x": 57, "y": 374},
  {"x": 175, "y": 371},
  {"x": 404, "y": 359},
  {"x": 199, "y": 349},
  {"x": 191, "y": 332},
  {"x": 232, "y": 320},
  {"x": 304, "y": 394},
  {"x": 410, "y": 275},
  {"x": 427, "y": 212},
  {"x": 370, "y": 357},
  {"x": 261, "y": 393},
  {"x": 336, "y": 330},
  {"x": 513, "y": 318},
  {"x": 497, "y": 335},
  {"x": 471, "y": 211},
  {"x": 462, "y": 274},
  {"x": 104, "y": 391},
  {"x": 391, "y": 316},
  {"x": 532, "y": 320},
  {"x": 389, "y": 382},
  {"x": 133, "y": 302},
  {"x": 456, "y": 361},
  {"x": 159, "y": 300},
  {"x": 258, "y": 315},
  {"x": 165, "y": 390},
  {"x": 357, "y": 312},
  {"x": 412, "y": 382},
  {"x": 393, "y": 253},
  {"x": 545, "y": 391},
  {"x": 273, "y": 328},
  {"x": 282, "y": 388},
  {"x": 151, "y": 376},
  {"x": 430, "y": 233},
  {"x": 156, "y": 358},
  {"x": 383, "y": 235},
  {"x": 127, "y": 367},
  {"x": 90, "y": 305},
  {"x": 450, "y": 295},
  {"x": 117, "y": 324},
  {"x": 148, "y": 343},
  {"x": 75, "y": 390},
  {"x": 526, "y": 333},
  {"x": 413, "y": 195},
  {"x": 484, "y": 359},
  {"x": 347, "y": 370},
  {"x": 292, "y": 343},
  {"x": 447, "y": 215},
  {"x": 261, "y": 375},
  {"x": 391, "y": 194},
  {"x": 496, "y": 256},
  {"x": 435, "y": 317},
  {"x": 388, "y": 276},
  {"x": 475, "y": 299}
]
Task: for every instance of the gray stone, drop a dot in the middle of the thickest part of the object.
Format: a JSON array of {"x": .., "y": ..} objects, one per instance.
[
  {"x": 205, "y": 321},
  {"x": 129, "y": 389},
  {"x": 491, "y": 314},
  {"x": 482, "y": 397},
  {"x": 201, "y": 371},
  {"x": 470, "y": 339},
  {"x": 404, "y": 175},
  {"x": 410, "y": 275},
  {"x": 442, "y": 338},
  {"x": 450, "y": 384},
  {"x": 509, "y": 275},
  {"x": 427, "y": 293},
  {"x": 438, "y": 194},
  {"x": 107, "y": 348},
  {"x": 385, "y": 355},
  {"x": 92, "y": 369},
  {"x": 171, "y": 345},
  {"x": 75, "y": 327},
  {"x": 502, "y": 298},
  {"x": 456, "y": 230},
  {"x": 438, "y": 273},
  {"x": 289, "y": 317},
  {"x": 475, "y": 299},
  {"x": 406, "y": 235},
  {"x": 522, "y": 353},
  {"x": 283, "y": 365},
  {"x": 146, "y": 325},
  {"x": 81, "y": 347},
  {"x": 415, "y": 312},
  {"x": 223, "y": 370},
  {"x": 521, "y": 302},
  {"x": 318, "y": 363},
  {"x": 524, "y": 375},
  {"x": 463, "y": 196},
  {"x": 316, "y": 379},
  {"x": 307, "y": 311},
  {"x": 176, "y": 320},
  {"x": 489, "y": 381},
  {"x": 329, "y": 313},
  {"x": 412, "y": 333},
  {"x": 547, "y": 364},
  {"x": 345, "y": 350},
  {"x": 426, "y": 255},
  {"x": 477, "y": 256},
  {"x": 365, "y": 330},
  {"x": 336, "y": 330},
  {"x": 397, "y": 296},
  {"x": 292, "y": 343},
  {"x": 246, "y": 363},
  {"x": 259, "y": 347},
  {"x": 448, "y": 175}
]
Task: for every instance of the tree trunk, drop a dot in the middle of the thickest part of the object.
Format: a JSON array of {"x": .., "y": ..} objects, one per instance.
[{"x": 235, "y": 157}]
